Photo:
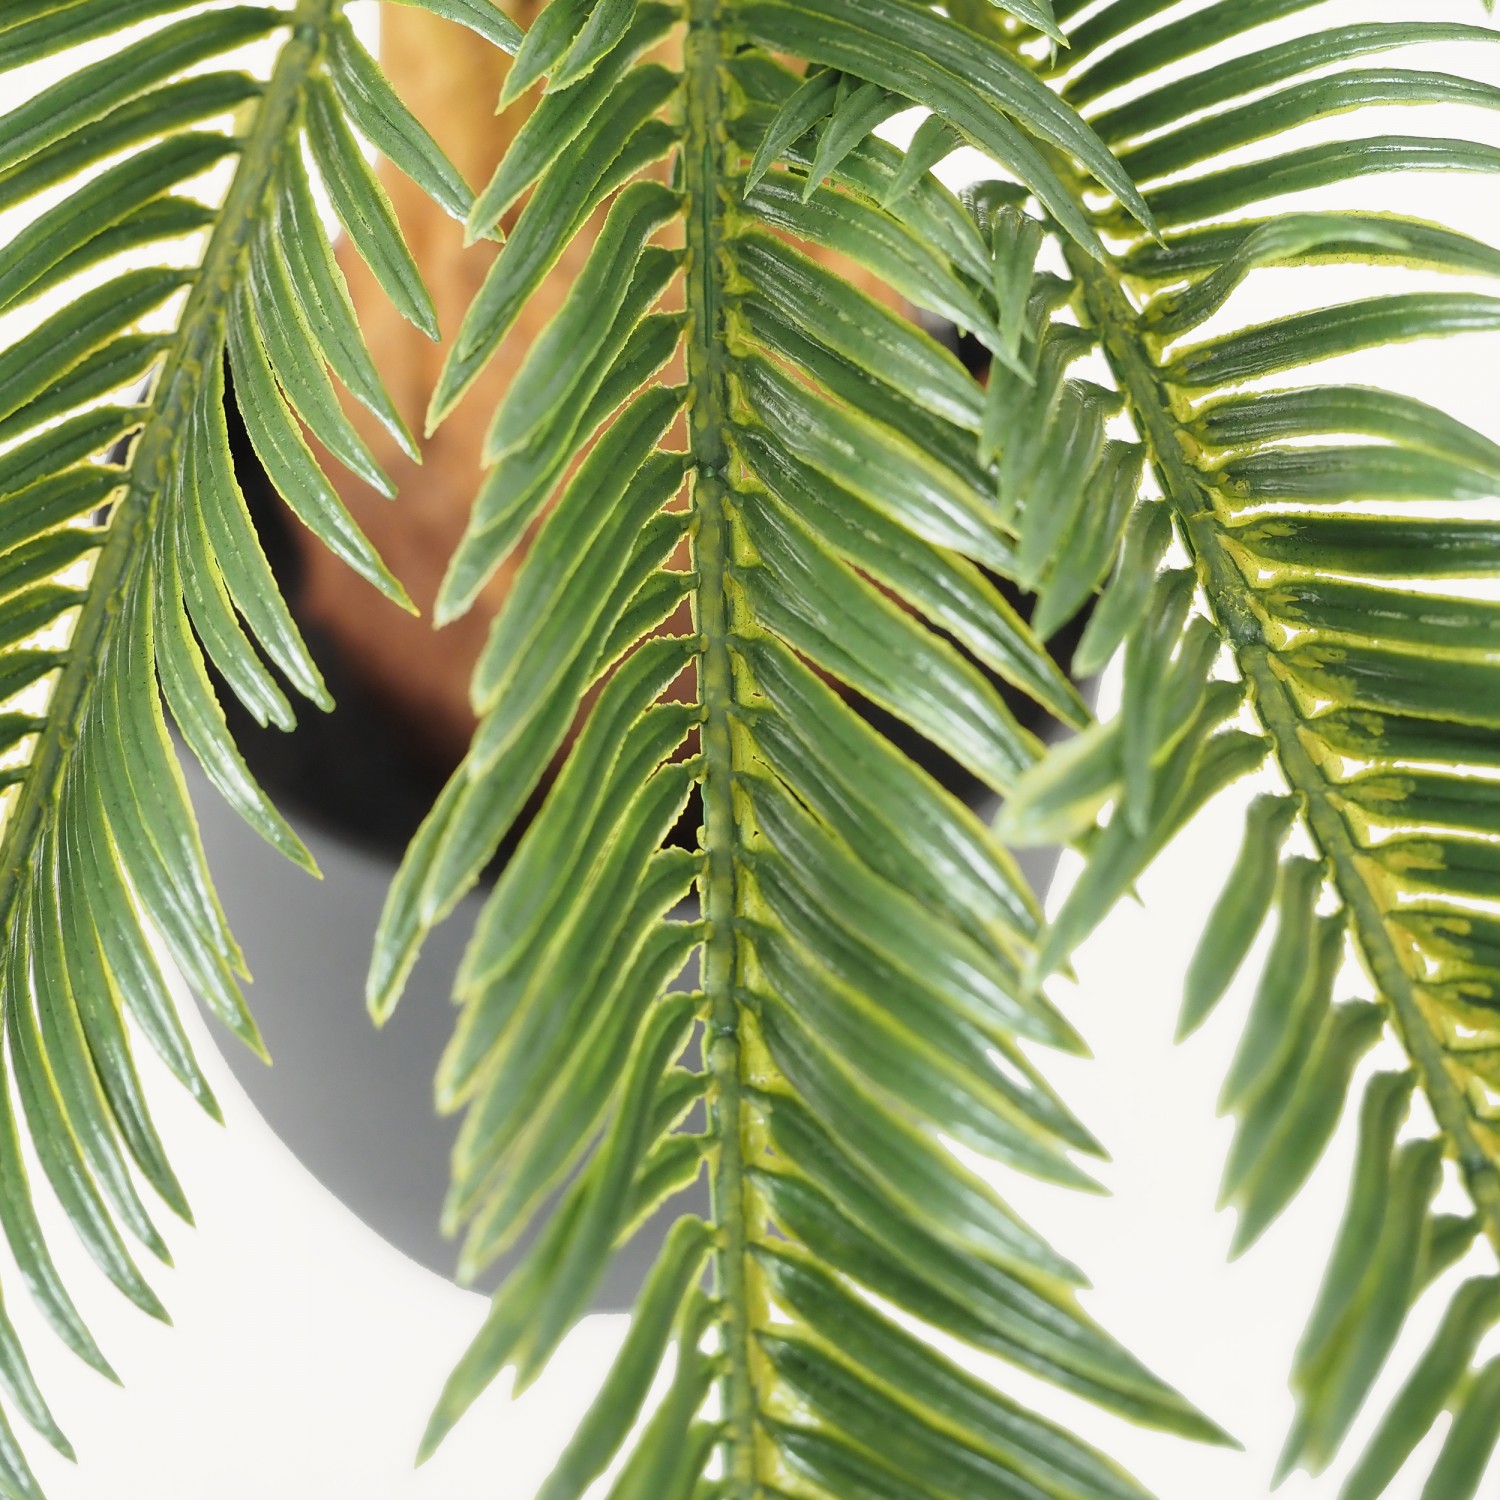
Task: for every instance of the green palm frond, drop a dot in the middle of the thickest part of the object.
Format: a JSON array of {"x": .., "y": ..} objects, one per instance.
[
  {"x": 1328, "y": 548},
  {"x": 721, "y": 428},
  {"x": 128, "y": 566},
  {"x": 820, "y": 485}
]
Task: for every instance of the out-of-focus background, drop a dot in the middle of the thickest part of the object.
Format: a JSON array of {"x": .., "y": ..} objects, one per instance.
[{"x": 307, "y": 1352}]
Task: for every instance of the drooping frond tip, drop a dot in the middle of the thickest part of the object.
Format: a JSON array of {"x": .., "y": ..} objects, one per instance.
[
  {"x": 132, "y": 582},
  {"x": 1331, "y": 594}
]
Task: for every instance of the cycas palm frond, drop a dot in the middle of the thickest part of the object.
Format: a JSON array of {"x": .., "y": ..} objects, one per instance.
[
  {"x": 128, "y": 565},
  {"x": 861, "y": 939},
  {"x": 1329, "y": 555}
]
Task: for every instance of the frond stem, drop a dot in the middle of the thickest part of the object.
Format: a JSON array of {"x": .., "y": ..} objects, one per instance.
[
  {"x": 1226, "y": 591},
  {"x": 705, "y": 175},
  {"x": 199, "y": 343}
]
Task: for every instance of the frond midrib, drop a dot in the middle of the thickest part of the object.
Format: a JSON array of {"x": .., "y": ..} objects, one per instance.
[
  {"x": 1228, "y": 601},
  {"x": 705, "y": 171},
  {"x": 196, "y": 346}
]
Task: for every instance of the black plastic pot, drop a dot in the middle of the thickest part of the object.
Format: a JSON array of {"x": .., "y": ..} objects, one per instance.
[{"x": 354, "y": 1104}]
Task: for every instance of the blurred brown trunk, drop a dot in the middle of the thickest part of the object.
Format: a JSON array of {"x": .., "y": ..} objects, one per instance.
[{"x": 451, "y": 80}]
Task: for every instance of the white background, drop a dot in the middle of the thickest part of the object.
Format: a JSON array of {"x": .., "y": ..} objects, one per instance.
[{"x": 306, "y": 1353}]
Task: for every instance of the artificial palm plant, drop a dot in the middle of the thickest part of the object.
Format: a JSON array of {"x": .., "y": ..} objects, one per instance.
[{"x": 715, "y": 416}]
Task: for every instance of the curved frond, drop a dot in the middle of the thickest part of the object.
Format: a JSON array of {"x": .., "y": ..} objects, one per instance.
[
  {"x": 1337, "y": 585},
  {"x": 132, "y": 587},
  {"x": 715, "y": 416}
]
